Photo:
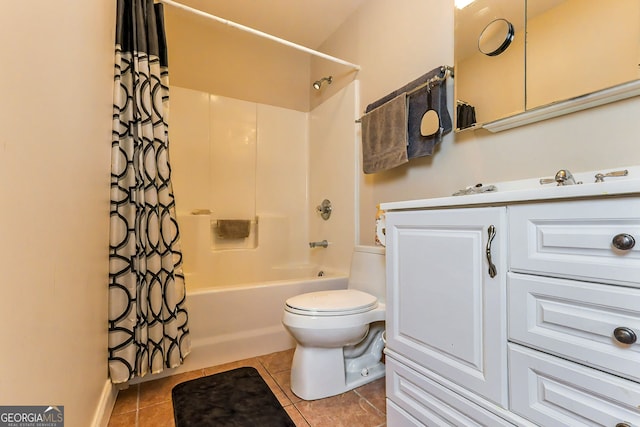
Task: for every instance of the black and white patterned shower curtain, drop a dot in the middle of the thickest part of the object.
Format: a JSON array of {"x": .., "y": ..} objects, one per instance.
[{"x": 148, "y": 328}]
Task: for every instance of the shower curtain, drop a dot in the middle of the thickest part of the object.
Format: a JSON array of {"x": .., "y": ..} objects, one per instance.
[{"x": 148, "y": 328}]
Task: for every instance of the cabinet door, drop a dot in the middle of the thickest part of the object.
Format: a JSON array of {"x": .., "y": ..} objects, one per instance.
[{"x": 444, "y": 310}]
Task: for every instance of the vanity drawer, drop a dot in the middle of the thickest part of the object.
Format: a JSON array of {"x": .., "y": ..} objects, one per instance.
[
  {"x": 577, "y": 320},
  {"x": 431, "y": 403},
  {"x": 397, "y": 417},
  {"x": 575, "y": 240},
  {"x": 554, "y": 392}
]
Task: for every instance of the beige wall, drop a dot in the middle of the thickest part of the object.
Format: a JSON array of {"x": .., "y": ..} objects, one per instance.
[
  {"x": 395, "y": 42},
  {"x": 55, "y": 130},
  {"x": 210, "y": 57}
]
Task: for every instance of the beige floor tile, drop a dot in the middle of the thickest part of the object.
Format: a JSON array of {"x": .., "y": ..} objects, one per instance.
[
  {"x": 345, "y": 410},
  {"x": 277, "y": 362},
  {"x": 375, "y": 394},
  {"x": 157, "y": 391},
  {"x": 284, "y": 381},
  {"x": 296, "y": 416},
  {"x": 160, "y": 415},
  {"x": 127, "y": 419},
  {"x": 127, "y": 400},
  {"x": 252, "y": 362},
  {"x": 363, "y": 407}
]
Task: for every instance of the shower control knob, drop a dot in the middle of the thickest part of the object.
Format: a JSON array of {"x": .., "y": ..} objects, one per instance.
[
  {"x": 623, "y": 241},
  {"x": 325, "y": 209}
]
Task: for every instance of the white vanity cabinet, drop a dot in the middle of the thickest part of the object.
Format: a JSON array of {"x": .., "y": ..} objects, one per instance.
[
  {"x": 535, "y": 325},
  {"x": 447, "y": 309},
  {"x": 574, "y": 312}
]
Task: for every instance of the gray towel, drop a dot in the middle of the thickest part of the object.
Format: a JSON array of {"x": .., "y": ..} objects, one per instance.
[
  {"x": 420, "y": 101},
  {"x": 384, "y": 136},
  {"x": 418, "y": 104},
  {"x": 233, "y": 228}
]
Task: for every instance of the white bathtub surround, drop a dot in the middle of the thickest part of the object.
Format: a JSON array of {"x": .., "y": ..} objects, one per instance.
[{"x": 234, "y": 159}]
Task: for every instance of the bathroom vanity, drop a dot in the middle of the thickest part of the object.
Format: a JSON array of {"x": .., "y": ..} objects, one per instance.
[{"x": 516, "y": 307}]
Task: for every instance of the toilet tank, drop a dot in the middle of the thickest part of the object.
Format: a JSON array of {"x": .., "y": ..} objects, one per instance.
[{"x": 368, "y": 271}]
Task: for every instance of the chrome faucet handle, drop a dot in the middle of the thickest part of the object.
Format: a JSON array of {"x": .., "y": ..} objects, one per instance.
[
  {"x": 564, "y": 177},
  {"x": 600, "y": 177},
  {"x": 547, "y": 181}
]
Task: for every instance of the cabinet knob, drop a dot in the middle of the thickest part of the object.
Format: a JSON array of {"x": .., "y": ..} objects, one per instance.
[
  {"x": 625, "y": 335},
  {"x": 623, "y": 241},
  {"x": 623, "y": 425}
]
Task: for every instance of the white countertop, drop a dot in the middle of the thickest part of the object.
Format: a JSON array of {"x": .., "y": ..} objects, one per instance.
[{"x": 531, "y": 189}]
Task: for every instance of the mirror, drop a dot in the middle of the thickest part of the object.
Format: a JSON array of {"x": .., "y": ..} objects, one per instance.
[
  {"x": 488, "y": 88},
  {"x": 579, "y": 54},
  {"x": 496, "y": 37}
]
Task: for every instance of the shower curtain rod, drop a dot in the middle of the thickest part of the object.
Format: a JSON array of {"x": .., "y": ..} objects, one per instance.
[{"x": 260, "y": 33}]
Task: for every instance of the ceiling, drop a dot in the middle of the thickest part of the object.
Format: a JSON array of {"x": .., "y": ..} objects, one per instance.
[{"x": 305, "y": 22}]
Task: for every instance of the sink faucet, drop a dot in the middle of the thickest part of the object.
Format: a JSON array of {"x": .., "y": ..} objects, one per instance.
[
  {"x": 322, "y": 244},
  {"x": 563, "y": 177}
]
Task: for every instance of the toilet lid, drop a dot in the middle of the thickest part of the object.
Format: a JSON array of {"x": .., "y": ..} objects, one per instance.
[{"x": 328, "y": 303}]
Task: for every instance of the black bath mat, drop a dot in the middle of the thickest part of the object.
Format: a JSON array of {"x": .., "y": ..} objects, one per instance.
[{"x": 236, "y": 398}]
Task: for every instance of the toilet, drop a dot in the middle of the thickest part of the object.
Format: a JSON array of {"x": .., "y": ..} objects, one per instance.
[{"x": 340, "y": 333}]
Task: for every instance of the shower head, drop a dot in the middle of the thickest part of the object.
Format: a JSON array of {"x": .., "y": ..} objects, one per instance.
[{"x": 318, "y": 83}]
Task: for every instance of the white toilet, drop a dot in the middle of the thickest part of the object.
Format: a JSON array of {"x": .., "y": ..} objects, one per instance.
[{"x": 339, "y": 333}]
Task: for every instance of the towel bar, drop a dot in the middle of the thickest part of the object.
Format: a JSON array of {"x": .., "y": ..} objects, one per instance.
[{"x": 446, "y": 70}]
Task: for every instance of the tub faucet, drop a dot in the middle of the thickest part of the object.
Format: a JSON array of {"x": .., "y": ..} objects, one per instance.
[{"x": 322, "y": 244}]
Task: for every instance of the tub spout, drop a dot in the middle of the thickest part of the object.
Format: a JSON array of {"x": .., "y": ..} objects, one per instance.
[{"x": 322, "y": 244}]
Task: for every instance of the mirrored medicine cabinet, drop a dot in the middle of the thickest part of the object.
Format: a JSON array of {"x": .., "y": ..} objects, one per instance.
[{"x": 521, "y": 61}]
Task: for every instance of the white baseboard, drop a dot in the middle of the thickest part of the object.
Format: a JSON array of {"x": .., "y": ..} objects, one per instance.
[{"x": 105, "y": 405}]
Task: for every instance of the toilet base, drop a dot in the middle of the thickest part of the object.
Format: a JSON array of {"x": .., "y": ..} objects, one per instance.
[{"x": 317, "y": 373}]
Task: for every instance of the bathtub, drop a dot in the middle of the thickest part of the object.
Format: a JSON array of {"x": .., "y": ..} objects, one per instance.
[{"x": 239, "y": 322}]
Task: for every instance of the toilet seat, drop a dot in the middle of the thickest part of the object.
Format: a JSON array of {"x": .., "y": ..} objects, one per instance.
[{"x": 331, "y": 303}]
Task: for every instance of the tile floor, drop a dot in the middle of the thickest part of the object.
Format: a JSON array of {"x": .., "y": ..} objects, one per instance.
[{"x": 149, "y": 404}]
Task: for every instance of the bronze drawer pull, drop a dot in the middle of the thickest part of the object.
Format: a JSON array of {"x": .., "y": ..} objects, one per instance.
[
  {"x": 492, "y": 267},
  {"x": 625, "y": 335},
  {"x": 623, "y": 241}
]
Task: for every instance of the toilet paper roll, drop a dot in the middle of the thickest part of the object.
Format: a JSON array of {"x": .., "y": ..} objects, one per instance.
[{"x": 381, "y": 229}]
